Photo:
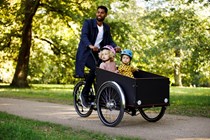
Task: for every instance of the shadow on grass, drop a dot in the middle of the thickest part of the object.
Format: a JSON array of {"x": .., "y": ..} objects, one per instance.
[{"x": 5, "y": 86}]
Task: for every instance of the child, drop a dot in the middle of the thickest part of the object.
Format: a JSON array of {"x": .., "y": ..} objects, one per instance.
[
  {"x": 107, "y": 55},
  {"x": 125, "y": 68}
]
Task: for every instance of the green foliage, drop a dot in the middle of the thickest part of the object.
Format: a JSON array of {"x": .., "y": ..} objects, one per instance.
[
  {"x": 154, "y": 30},
  {"x": 180, "y": 29}
]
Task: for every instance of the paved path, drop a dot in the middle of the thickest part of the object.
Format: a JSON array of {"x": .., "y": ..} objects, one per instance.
[{"x": 170, "y": 127}]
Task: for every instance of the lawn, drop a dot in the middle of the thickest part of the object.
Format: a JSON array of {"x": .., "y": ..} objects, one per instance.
[
  {"x": 16, "y": 128},
  {"x": 190, "y": 101},
  {"x": 48, "y": 93}
]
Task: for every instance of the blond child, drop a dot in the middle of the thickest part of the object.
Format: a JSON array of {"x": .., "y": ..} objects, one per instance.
[
  {"x": 126, "y": 68},
  {"x": 107, "y": 55}
]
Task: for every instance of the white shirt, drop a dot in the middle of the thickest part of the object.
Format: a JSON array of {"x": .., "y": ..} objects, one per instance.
[{"x": 99, "y": 37}]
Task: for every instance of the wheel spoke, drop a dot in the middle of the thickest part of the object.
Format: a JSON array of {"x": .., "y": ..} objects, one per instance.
[{"x": 109, "y": 109}]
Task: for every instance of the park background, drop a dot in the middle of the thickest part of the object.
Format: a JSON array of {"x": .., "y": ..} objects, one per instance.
[{"x": 39, "y": 38}]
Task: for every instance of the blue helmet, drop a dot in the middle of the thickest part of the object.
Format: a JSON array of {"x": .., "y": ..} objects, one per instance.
[{"x": 127, "y": 52}]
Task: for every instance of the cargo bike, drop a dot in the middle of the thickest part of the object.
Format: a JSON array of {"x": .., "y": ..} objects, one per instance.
[{"x": 113, "y": 94}]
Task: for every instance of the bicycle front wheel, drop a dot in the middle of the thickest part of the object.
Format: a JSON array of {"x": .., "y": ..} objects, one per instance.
[{"x": 110, "y": 104}]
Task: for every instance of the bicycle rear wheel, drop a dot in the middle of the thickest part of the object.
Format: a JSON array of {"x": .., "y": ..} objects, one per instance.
[{"x": 81, "y": 111}]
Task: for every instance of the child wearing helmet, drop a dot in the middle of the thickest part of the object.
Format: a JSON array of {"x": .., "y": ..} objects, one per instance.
[
  {"x": 125, "y": 68},
  {"x": 107, "y": 55}
]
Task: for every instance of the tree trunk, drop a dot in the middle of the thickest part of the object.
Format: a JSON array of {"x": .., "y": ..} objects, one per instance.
[
  {"x": 21, "y": 72},
  {"x": 177, "y": 68}
]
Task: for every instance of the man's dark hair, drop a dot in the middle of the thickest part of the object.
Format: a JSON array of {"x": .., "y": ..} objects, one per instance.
[{"x": 103, "y": 7}]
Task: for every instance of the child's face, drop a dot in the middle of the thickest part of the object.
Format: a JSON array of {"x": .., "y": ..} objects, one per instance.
[
  {"x": 105, "y": 55},
  {"x": 126, "y": 59}
]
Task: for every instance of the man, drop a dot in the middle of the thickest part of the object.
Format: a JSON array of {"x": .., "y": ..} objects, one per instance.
[{"x": 95, "y": 34}]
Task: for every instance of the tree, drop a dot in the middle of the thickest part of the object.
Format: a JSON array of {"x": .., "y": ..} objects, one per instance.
[
  {"x": 53, "y": 10},
  {"x": 182, "y": 34},
  {"x": 171, "y": 40},
  {"x": 20, "y": 77}
]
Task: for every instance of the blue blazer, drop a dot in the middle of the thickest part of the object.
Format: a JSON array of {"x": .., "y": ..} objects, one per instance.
[{"x": 88, "y": 37}]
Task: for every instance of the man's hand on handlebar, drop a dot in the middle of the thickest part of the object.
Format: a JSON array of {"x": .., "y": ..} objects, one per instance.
[
  {"x": 94, "y": 48},
  {"x": 117, "y": 49}
]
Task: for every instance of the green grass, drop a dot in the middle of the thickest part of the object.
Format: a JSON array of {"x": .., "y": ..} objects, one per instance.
[
  {"x": 17, "y": 128},
  {"x": 190, "y": 101},
  {"x": 42, "y": 92},
  {"x": 183, "y": 100}
]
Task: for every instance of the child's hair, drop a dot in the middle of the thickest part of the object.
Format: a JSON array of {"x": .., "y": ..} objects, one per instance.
[{"x": 111, "y": 52}]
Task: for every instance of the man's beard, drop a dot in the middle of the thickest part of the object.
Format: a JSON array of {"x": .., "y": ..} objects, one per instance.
[{"x": 100, "y": 20}]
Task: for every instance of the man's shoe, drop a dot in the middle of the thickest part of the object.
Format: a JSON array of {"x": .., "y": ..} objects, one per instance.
[
  {"x": 83, "y": 101},
  {"x": 92, "y": 103}
]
